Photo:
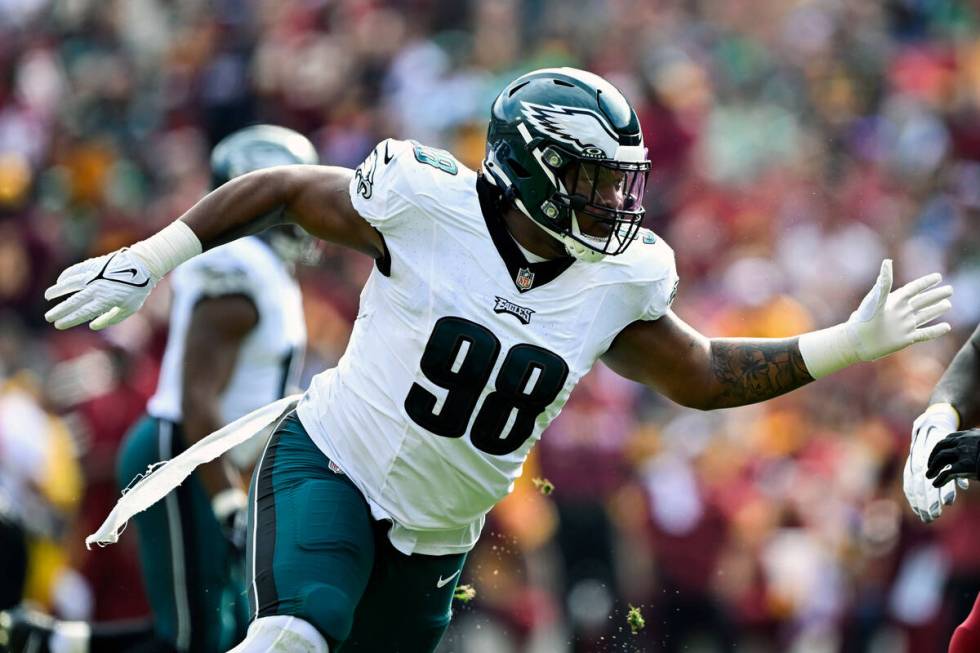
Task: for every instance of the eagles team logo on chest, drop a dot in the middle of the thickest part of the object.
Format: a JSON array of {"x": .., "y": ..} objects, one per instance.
[{"x": 508, "y": 307}]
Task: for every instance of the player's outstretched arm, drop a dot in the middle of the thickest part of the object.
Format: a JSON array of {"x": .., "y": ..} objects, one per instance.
[
  {"x": 107, "y": 289},
  {"x": 699, "y": 372},
  {"x": 954, "y": 403},
  {"x": 314, "y": 197},
  {"x": 959, "y": 385},
  {"x": 709, "y": 373}
]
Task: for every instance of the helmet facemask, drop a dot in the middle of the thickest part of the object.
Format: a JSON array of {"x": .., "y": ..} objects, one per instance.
[{"x": 597, "y": 206}]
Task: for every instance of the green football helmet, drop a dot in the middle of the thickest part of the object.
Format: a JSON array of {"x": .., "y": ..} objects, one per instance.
[
  {"x": 257, "y": 147},
  {"x": 565, "y": 146},
  {"x": 265, "y": 146}
]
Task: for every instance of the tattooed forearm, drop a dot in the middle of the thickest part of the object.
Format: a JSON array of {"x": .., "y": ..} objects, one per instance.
[{"x": 751, "y": 370}]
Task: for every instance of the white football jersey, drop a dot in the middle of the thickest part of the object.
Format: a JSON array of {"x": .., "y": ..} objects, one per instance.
[
  {"x": 463, "y": 352},
  {"x": 270, "y": 358}
]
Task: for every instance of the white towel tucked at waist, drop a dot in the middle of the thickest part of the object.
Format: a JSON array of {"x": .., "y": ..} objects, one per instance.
[{"x": 161, "y": 478}]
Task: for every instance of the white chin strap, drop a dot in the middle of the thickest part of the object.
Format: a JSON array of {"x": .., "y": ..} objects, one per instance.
[
  {"x": 580, "y": 251},
  {"x": 574, "y": 248},
  {"x": 577, "y": 249}
]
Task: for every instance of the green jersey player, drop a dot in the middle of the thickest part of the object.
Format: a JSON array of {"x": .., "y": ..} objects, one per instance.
[{"x": 493, "y": 294}]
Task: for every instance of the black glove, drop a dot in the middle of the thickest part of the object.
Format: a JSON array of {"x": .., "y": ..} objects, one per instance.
[
  {"x": 231, "y": 510},
  {"x": 955, "y": 456},
  {"x": 236, "y": 530}
]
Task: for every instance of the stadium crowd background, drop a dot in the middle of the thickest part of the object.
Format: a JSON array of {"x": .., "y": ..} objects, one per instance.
[{"x": 794, "y": 145}]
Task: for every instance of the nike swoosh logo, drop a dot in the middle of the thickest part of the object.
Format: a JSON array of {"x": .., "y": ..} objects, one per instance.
[
  {"x": 388, "y": 158},
  {"x": 442, "y": 582},
  {"x": 132, "y": 275}
]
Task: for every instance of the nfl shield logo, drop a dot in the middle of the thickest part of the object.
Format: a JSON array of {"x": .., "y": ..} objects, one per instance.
[{"x": 525, "y": 279}]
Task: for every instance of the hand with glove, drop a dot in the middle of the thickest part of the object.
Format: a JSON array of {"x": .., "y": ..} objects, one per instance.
[
  {"x": 957, "y": 456},
  {"x": 927, "y": 500},
  {"x": 107, "y": 289},
  {"x": 230, "y": 508},
  {"x": 885, "y": 322}
]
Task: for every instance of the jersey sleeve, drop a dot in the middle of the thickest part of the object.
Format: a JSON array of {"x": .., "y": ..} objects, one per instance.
[
  {"x": 379, "y": 190},
  {"x": 658, "y": 279}
]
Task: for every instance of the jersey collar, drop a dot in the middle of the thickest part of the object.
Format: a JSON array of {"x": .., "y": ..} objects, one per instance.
[{"x": 525, "y": 274}]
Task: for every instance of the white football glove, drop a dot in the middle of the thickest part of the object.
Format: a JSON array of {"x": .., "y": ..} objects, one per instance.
[
  {"x": 107, "y": 289},
  {"x": 884, "y": 323},
  {"x": 104, "y": 290},
  {"x": 888, "y": 321},
  {"x": 929, "y": 428}
]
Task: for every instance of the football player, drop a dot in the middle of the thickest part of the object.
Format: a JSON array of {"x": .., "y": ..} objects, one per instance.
[
  {"x": 236, "y": 342},
  {"x": 493, "y": 294},
  {"x": 942, "y": 457}
]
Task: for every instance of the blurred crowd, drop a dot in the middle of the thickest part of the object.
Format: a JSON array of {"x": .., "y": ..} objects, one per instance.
[{"x": 794, "y": 145}]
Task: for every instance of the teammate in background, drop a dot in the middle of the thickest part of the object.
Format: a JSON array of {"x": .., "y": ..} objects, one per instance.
[
  {"x": 236, "y": 342},
  {"x": 942, "y": 457},
  {"x": 493, "y": 294}
]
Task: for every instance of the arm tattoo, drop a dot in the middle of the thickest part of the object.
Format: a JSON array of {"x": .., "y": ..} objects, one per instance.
[{"x": 751, "y": 370}]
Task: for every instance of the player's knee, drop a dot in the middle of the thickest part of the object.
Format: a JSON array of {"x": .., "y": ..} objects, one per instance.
[
  {"x": 330, "y": 610},
  {"x": 966, "y": 638},
  {"x": 282, "y": 634}
]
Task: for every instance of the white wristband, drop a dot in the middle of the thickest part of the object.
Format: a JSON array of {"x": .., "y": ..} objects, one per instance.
[
  {"x": 228, "y": 501},
  {"x": 828, "y": 350},
  {"x": 945, "y": 414},
  {"x": 168, "y": 248}
]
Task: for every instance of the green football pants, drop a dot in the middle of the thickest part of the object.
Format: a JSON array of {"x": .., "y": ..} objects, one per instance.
[
  {"x": 193, "y": 578},
  {"x": 315, "y": 552}
]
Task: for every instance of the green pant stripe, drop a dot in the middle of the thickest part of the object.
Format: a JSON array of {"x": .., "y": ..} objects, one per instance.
[
  {"x": 261, "y": 588},
  {"x": 165, "y": 444},
  {"x": 193, "y": 579},
  {"x": 196, "y": 625},
  {"x": 264, "y": 549}
]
